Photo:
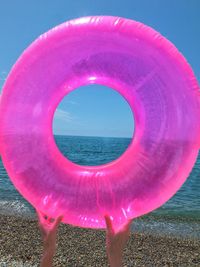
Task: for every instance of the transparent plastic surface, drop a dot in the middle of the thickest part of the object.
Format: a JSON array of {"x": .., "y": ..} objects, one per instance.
[{"x": 158, "y": 84}]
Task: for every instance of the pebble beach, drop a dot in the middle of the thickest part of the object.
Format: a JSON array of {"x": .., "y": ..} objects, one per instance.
[{"x": 21, "y": 245}]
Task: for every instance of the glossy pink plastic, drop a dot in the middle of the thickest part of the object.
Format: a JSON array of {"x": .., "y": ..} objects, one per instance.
[{"x": 160, "y": 87}]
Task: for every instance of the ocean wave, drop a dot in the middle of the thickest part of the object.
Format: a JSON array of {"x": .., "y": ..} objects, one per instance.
[
  {"x": 16, "y": 208},
  {"x": 147, "y": 225},
  {"x": 7, "y": 262},
  {"x": 164, "y": 227}
]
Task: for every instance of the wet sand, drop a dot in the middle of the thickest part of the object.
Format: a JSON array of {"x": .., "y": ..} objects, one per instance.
[{"x": 20, "y": 245}]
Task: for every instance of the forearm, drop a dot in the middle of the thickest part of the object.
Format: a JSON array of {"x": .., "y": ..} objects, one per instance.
[
  {"x": 115, "y": 242},
  {"x": 49, "y": 250},
  {"x": 114, "y": 263},
  {"x": 115, "y": 260},
  {"x": 47, "y": 259}
]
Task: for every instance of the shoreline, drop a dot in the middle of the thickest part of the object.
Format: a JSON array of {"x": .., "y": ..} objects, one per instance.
[{"x": 21, "y": 246}]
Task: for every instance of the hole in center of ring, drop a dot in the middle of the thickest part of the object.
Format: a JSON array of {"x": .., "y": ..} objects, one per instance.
[{"x": 93, "y": 125}]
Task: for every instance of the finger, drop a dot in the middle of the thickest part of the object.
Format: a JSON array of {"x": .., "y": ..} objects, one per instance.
[
  {"x": 127, "y": 226},
  {"x": 51, "y": 220},
  {"x": 57, "y": 222},
  {"x": 39, "y": 215},
  {"x": 109, "y": 224},
  {"x": 40, "y": 219},
  {"x": 42, "y": 223}
]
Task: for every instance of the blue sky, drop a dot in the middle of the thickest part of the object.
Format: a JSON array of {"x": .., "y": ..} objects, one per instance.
[{"x": 81, "y": 112}]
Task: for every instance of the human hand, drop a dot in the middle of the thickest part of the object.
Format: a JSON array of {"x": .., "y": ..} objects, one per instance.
[
  {"x": 116, "y": 241},
  {"x": 48, "y": 228}
]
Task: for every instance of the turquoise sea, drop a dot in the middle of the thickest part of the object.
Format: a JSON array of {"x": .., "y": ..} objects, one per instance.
[{"x": 180, "y": 216}]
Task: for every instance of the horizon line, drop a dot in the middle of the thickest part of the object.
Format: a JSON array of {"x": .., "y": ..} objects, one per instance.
[{"x": 92, "y": 136}]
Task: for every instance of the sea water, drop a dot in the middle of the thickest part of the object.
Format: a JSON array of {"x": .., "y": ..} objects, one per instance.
[{"x": 180, "y": 216}]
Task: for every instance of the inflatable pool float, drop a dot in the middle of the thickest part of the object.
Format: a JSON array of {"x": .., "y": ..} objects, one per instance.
[{"x": 156, "y": 81}]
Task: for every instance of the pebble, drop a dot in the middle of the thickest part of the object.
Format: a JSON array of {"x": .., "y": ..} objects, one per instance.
[{"x": 21, "y": 246}]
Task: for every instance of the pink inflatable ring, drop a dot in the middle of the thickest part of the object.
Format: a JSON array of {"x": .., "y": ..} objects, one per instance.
[{"x": 160, "y": 87}]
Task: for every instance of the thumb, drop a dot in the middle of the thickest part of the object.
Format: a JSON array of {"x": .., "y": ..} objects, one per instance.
[
  {"x": 109, "y": 224},
  {"x": 57, "y": 222}
]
